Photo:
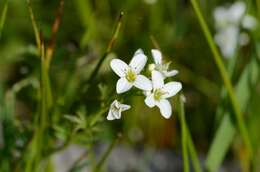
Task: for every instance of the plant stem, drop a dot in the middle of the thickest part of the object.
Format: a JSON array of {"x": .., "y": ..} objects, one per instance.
[
  {"x": 184, "y": 141},
  {"x": 106, "y": 154},
  {"x": 99, "y": 115},
  {"x": 36, "y": 150},
  {"x": 193, "y": 153},
  {"x": 225, "y": 77},
  {"x": 110, "y": 46},
  {"x": 187, "y": 143},
  {"x": 258, "y": 8},
  {"x": 55, "y": 27},
  {"x": 3, "y": 17},
  {"x": 35, "y": 27},
  {"x": 185, "y": 157},
  {"x": 76, "y": 163}
]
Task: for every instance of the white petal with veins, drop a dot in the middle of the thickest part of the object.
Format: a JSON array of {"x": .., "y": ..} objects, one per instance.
[
  {"x": 139, "y": 51},
  {"x": 143, "y": 83},
  {"x": 123, "y": 85},
  {"x": 157, "y": 79},
  {"x": 157, "y": 56},
  {"x": 138, "y": 62},
  {"x": 119, "y": 67},
  {"x": 171, "y": 89},
  {"x": 110, "y": 115},
  {"x": 149, "y": 101},
  {"x": 171, "y": 73},
  {"x": 124, "y": 107},
  {"x": 165, "y": 108}
]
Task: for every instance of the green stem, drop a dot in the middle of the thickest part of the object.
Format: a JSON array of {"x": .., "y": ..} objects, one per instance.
[
  {"x": 187, "y": 143},
  {"x": 110, "y": 46},
  {"x": 106, "y": 154},
  {"x": 193, "y": 154},
  {"x": 183, "y": 136},
  {"x": 99, "y": 115},
  {"x": 35, "y": 27},
  {"x": 3, "y": 17},
  {"x": 258, "y": 9},
  {"x": 77, "y": 162},
  {"x": 225, "y": 77}
]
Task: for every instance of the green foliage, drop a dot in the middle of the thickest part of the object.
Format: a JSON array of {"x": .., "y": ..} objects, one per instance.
[{"x": 56, "y": 85}]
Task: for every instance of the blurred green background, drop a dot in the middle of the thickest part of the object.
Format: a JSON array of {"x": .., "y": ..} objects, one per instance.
[{"x": 85, "y": 31}]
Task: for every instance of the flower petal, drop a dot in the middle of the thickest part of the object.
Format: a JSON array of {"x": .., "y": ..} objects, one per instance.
[
  {"x": 147, "y": 93},
  {"x": 249, "y": 22},
  {"x": 119, "y": 67},
  {"x": 139, "y": 51},
  {"x": 149, "y": 101},
  {"x": 227, "y": 40},
  {"x": 117, "y": 114},
  {"x": 138, "y": 62},
  {"x": 157, "y": 79},
  {"x": 123, "y": 85},
  {"x": 110, "y": 116},
  {"x": 171, "y": 88},
  {"x": 236, "y": 12},
  {"x": 115, "y": 103},
  {"x": 124, "y": 107},
  {"x": 171, "y": 73},
  {"x": 165, "y": 108},
  {"x": 143, "y": 83},
  {"x": 221, "y": 17},
  {"x": 157, "y": 56}
]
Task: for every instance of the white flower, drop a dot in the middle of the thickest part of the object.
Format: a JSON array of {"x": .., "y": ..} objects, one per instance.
[
  {"x": 228, "y": 21},
  {"x": 160, "y": 93},
  {"x": 130, "y": 74},
  {"x": 236, "y": 12},
  {"x": 227, "y": 40},
  {"x": 249, "y": 22},
  {"x": 160, "y": 66},
  {"x": 229, "y": 16},
  {"x": 221, "y": 17},
  {"x": 235, "y": 15},
  {"x": 116, "y": 108}
]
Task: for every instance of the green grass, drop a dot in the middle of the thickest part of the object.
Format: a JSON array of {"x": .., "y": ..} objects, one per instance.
[
  {"x": 3, "y": 17},
  {"x": 56, "y": 84},
  {"x": 225, "y": 77}
]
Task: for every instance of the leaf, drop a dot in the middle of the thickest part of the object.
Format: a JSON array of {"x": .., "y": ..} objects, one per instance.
[
  {"x": 73, "y": 119},
  {"x": 234, "y": 101},
  {"x": 226, "y": 131},
  {"x": 187, "y": 143},
  {"x": 60, "y": 132},
  {"x": 88, "y": 21}
]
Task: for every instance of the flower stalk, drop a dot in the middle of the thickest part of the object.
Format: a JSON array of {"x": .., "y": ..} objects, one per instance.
[
  {"x": 108, "y": 50},
  {"x": 34, "y": 25},
  {"x": 224, "y": 76},
  {"x": 3, "y": 17},
  {"x": 188, "y": 147},
  {"x": 107, "y": 153},
  {"x": 184, "y": 136}
]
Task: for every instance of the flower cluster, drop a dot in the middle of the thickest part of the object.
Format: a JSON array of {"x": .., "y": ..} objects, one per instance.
[
  {"x": 228, "y": 21},
  {"x": 155, "y": 90}
]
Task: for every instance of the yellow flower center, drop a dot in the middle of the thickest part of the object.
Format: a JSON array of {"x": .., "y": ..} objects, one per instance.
[
  {"x": 162, "y": 67},
  {"x": 158, "y": 93},
  {"x": 130, "y": 75}
]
